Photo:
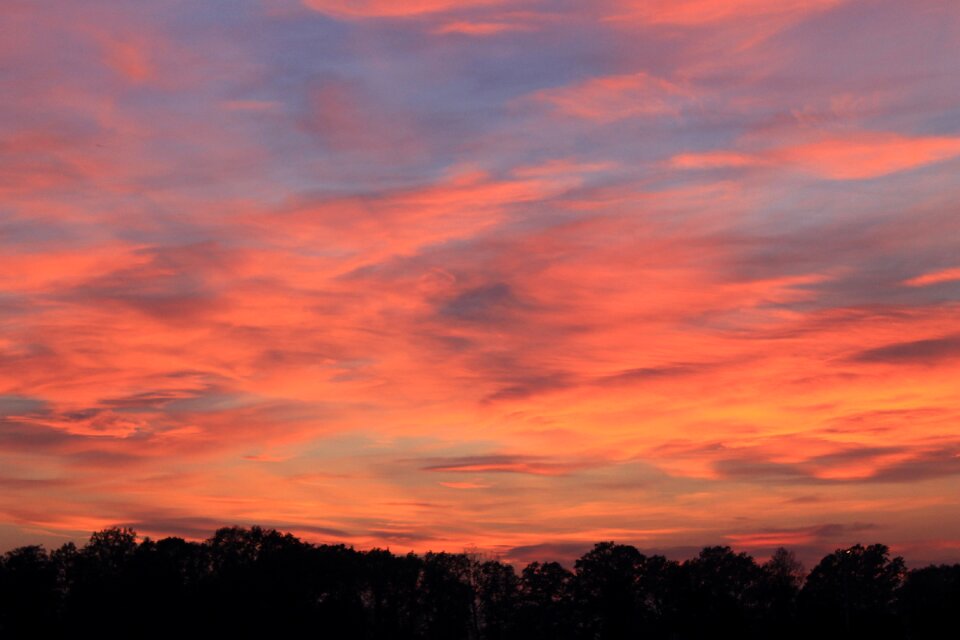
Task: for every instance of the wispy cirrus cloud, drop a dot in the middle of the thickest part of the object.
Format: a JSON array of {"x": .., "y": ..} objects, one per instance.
[
  {"x": 855, "y": 157},
  {"x": 505, "y": 464},
  {"x": 935, "y": 277}
]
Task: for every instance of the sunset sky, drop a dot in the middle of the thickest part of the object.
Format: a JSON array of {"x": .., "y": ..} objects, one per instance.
[{"x": 517, "y": 276}]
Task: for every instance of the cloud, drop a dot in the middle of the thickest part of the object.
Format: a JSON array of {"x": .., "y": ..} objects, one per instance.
[
  {"x": 480, "y": 29},
  {"x": 369, "y": 228},
  {"x": 718, "y": 31},
  {"x": 345, "y": 117},
  {"x": 465, "y": 485},
  {"x": 148, "y": 399},
  {"x": 929, "y": 465},
  {"x": 482, "y": 304},
  {"x": 391, "y": 9},
  {"x": 470, "y": 273},
  {"x": 695, "y": 13},
  {"x": 566, "y": 553},
  {"x": 129, "y": 58},
  {"x": 870, "y": 155},
  {"x": 520, "y": 387},
  {"x": 13, "y": 405},
  {"x": 929, "y": 351},
  {"x": 612, "y": 98},
  {"x": 861, "y": 156},
  {"x": 645, "y": 374},
  {"x": 845, "y": 465},
  {"x": 935, "y": 277},
  {"x": 713, "y": 160},
  {"x": 165, "y": 283},
  {"x": 793, "y": 536},
  {"x": 505, "y": 464},
  {"x": 19, "y": 437}
]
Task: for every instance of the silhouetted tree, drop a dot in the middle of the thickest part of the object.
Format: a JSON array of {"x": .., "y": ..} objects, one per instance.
[
  {"x": 337, "y": 583},
  {"x": 445, "y": 596},
  {"x": 719, "y": 596},
  {"x": 264, "y": 580},
  {"x": 660, "y": 591},
  {"x": 606, "y": 589},
  {"x": 496, "y": 587},
  {"x": 104, "y": 594},
  {"x": 853, "y": 591},
  {"x": 390, "y": 594},
  {"x": 29, "y": 598},
  {"x": 170, "y": 573},
  {"x": 247, "y": 582},
  {"x": 545, "y": 608},
  {"x": 929, "y": 600},
  {"x": 777, "y": 589},
  {"x": 64, "y": 560}
]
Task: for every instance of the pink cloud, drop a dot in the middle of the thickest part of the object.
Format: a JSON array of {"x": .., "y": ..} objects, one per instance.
[
  {"x": 856, "y": 156},
  {"x": 479, "y": 28},
  {"x": 392, "y": 9},
  {"x": 869, "y": 155},
  {"x": 712, "y": 160},
  {"x": 935, "y": 277},
  {"x": 693, "y": 13},
  {"x": 130, "y": 58},
  {"x": 612, "y": 98}
]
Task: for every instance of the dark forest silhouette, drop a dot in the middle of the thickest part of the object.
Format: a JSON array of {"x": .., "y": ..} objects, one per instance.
[{"x": 247, "y": 582}]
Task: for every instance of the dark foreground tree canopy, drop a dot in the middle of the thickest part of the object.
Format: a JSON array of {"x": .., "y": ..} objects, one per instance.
[{"x": 257, "y": 582}]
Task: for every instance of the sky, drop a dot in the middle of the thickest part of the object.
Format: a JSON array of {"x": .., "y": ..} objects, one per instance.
[{"x": 515, "y": 277}]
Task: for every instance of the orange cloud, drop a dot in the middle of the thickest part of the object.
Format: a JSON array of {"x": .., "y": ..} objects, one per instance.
[
  {"x": 370, "y": 228},
  {"x": 465, "y": 485}
]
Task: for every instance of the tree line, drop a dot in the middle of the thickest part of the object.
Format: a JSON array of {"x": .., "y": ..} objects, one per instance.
[{"x": 252, "y": 581}]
